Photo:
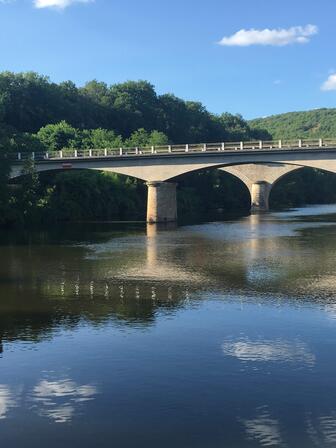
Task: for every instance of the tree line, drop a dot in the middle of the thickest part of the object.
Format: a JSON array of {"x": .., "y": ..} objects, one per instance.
[{"x": 29, "y": 102}]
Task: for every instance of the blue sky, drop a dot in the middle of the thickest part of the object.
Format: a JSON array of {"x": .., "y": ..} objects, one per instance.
[{"x": 175, "y": 46}]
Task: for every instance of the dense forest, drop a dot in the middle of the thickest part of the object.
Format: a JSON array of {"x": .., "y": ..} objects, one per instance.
[
  {"x": 29, "y": 102},
  {"x": 38, "y": 115}
]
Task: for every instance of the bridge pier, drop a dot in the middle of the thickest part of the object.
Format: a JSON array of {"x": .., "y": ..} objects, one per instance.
[
  {"x": 260, "y": 179},
  {"x": 161, "y": 204},
  {"x": 260, "y": 192}
]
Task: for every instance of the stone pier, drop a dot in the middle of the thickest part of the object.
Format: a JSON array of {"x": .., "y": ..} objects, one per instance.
[
  {"x": 260, "y": 179},
  {"x": 161, "y": 205},
  {"x": 260, "y": 192}
]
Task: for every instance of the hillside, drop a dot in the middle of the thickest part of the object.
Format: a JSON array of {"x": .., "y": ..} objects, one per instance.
[{"x": 319, "y": 123}]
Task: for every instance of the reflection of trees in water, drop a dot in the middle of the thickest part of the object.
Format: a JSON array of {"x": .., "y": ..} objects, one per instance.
[
  {"x": 129, "y": 279},
  {"x": 41, "y": 312}
]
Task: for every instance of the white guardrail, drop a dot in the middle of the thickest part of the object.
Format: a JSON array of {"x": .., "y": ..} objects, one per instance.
[{"x": 176, "y": 149}]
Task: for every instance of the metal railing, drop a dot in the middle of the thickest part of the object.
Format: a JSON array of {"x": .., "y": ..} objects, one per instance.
[{"x": 176, "y": 149}]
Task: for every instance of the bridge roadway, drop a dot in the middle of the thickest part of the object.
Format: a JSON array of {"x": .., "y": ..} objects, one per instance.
[{"x": 259, "y": 165}]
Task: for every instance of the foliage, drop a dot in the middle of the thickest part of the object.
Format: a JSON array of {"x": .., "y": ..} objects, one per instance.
[
  {"x": 88, "y": 196},
  {"x": 29, "y": 102},
  {"x": 141, "y": 137},
  {"x": 101, "y": 138},
  {"x": 207, "y": 191},
  {"x": 319, "y": 123},
  {"x": 59, "y": 136},
  {"x": 305, "y": 186},
  {"x": 4, "y": 191}
]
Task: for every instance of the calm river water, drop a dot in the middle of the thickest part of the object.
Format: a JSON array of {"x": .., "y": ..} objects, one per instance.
[{"x": 219, "y": 335}]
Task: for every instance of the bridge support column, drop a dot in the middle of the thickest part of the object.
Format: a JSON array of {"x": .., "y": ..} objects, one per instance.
[
  {"x": 260, "y": 192},
  {"x": 161, "y": 205}
]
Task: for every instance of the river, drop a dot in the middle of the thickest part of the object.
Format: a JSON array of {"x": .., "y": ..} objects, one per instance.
[{"x": 201, "y": 336}]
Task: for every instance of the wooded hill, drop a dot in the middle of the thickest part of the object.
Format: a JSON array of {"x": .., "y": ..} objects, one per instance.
[{"x": 318, "y": 123}]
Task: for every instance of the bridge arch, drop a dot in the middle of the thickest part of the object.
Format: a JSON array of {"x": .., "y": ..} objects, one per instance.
[
  {"x": 88, "y": 195},
  {"x": 211, "y": 190},
  {"x": 17, "y": 171}
]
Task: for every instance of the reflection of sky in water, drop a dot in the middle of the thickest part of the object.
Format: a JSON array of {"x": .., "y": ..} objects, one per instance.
[
  {"x": 322, "y": 430},
  {"x": 249, "y": 230},
  {"x": 312, "y": 210},
  {"x": 260, "y": 272},
  {"x": 264, "y": 429},
  {"x": 269, "y": 351},
  {"x": 58, "y": 400},
  {"x": 331, "y": 310},
  {"x": 7, "y": 401},
  {"x": 269, "y": 431}
]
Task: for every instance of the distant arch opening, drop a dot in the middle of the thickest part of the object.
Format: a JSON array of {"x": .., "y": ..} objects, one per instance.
[
  {"x": 305, "y": 186},
  {"x": 210, "y": 193}
]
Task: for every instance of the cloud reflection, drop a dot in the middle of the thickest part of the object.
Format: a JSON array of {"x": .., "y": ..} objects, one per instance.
[
  {"x": 322, "y": 431},
  {"x": 7, "y": 401},
  {"x": 58, "y": 400},
  {"x": 264, "y": 429},
  {"x": 269, "y": 351}
]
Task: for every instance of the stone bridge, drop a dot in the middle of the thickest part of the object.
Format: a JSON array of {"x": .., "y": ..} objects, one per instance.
[{"x": 259, "y": 165}]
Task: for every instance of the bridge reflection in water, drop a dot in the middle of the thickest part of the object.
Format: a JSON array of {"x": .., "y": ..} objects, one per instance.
[{"x": 130, "y": 278}]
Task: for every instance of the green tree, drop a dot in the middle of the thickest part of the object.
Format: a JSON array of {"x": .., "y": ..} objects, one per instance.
[
  {"x": 136, "y": 104},
  {"x": 59, "y": 136},
  {"x": 157, "y": 138},
  {"x": 28, "y": 199},
  {"x": 101, "y": 138},
  {"x": 141, "y": 137},
  {"x": 97, "y": 91}
]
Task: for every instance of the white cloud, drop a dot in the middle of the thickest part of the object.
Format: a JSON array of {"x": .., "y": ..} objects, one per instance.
[
  {"x": 277, "y": 37},
  {"x": 58, "y": 4},
  {"x": 330, "y": 83}
]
